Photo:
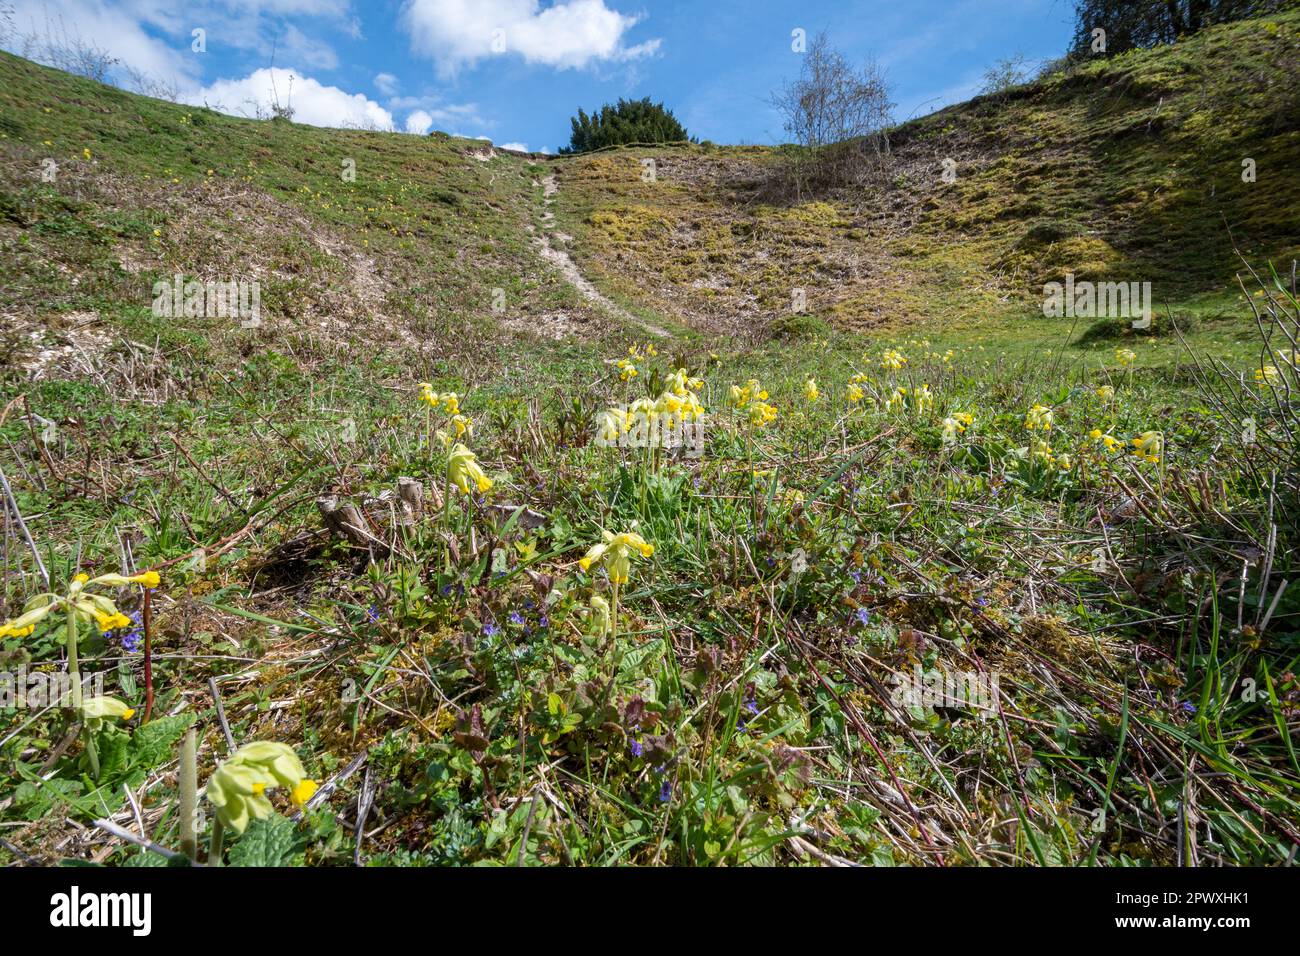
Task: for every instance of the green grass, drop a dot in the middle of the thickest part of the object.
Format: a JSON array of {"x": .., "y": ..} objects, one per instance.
[{"x": 743, "y": 712}]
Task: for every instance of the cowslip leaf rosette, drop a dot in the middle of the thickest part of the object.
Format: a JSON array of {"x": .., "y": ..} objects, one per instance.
[{"x": 238, "y": 787}]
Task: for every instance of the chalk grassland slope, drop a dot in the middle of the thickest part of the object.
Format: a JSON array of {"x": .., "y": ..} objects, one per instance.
[
  {"x": 1127, "y": 168},
  {"x": 408, "y": 253}
]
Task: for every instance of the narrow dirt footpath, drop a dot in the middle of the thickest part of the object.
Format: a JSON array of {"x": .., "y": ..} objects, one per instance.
[{"x": 564, "y": 262}]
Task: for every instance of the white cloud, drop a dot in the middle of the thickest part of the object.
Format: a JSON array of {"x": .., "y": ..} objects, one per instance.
[
  {"x": 517, "y": 147},
  {"x": 303, "y": 50},
  {"x": 120, "y": 32},
  {"x": 445, "y": 114},
  {"x": 568, "y": 34},
  {"x": 313, "y": 103},
  {"x": 386, "y": 83},
  {"x": 419, "y": 123}
]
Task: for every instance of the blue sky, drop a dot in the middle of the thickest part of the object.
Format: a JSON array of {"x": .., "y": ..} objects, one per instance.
[{"x": 516, "y": 70}]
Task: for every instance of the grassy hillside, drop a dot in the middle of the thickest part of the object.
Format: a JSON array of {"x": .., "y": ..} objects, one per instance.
[
  {"x": 1103, "y": 520},
  {"x": 1127, "y": 168}
]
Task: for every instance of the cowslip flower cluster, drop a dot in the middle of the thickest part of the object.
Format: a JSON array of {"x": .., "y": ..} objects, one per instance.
[
  {"x": 626, "y": 370},
  {"x": 1110, "y": 441},
  {"x": 1267, "y": 376},
  {"x": 616, "y": 550},
  {"x": 458, "y": 425},
  {"x": 752, "y": 398},
  {"x": 85, "y": 606},
  {"x": 1040, "y": 418},
  {"x": 1106, "y": 393},
  {"x": 810, "y": 391},
  {"x": 654, "y": 422},
  {"x": 238, "y": 787},
  {"x": 463, "y": 470},
  {"x": 955, "y": 425},
  {"x": 893, "y": 360},
  {"x": 1125, "y": 357},
  {"x": 448, "y": 402},
  {"x": 918, "y": 399},
  {"x": 1149, "y": 446}
]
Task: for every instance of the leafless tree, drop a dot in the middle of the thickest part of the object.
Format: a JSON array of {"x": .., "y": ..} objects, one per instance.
[{"x": 839, "y": 114}]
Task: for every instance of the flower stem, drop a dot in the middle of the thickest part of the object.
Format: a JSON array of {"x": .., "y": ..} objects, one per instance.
[
  {"x": 74, "y": 674},
  {"x": 146, "y": 619},
  {"x": 189, "y": 797},
  {"x": 215, "y": 845}
]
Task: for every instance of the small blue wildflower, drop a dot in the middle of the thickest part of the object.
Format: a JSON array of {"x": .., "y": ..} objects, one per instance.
[
  {"x": 863, "y": 616},
  {"x": 516, "y": 619},
  {"x": 1188, "y": 707},
  {"x": 666, "y": 791},
  {"x": 751, "y": 705},
  {"x": 490, "y": 630},
  {"x": 372, "y": 614},
  {"x": 636, "y": 748},
  {"x": 543, "y": 622},
  {"x": 446, "y": 590},
  {"x": 131, "y": 637},
  {"x": 856, "y": 576}
]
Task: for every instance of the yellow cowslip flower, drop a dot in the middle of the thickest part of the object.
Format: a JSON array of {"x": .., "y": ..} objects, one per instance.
[
  {"x": 615, "y": 550},
  {"x": 948, "y": 356},
  {"x": 761, "y": 414},
  {"x": 1125, "y": 357},
  {"x": 626, "y": 370},
  {"x": 1064, "y": 462},
  {"x": 1149, "y": 445},
  {"x": 1041, "y": 449},
  {"x": 955, "y": 425},
  {"x": 86, "y": 153},
  {"x": 238, "y": 787},
  {"x": 598, "y": 614},
  {"x": 751, "y": 392},
  {"x": 810, "y": 390},
  {"x": 922, "y": 398},
  {"x": 93, "y": 608},
  {"x": 463, "y": 468},
  {"x": 448, "y": 402},
  {"x": 96, "y": 710},
  {"x": 854, "y": 393},
  {"x": 610, "y": 425},
  {"x": 681, "y": 385},
  {"x": 893, "y": 360},
  {"x": 1110, "y": 441},
  {"x": 462, "y": 425},
  {"x": 1040, "y": 417},
  {"x": 149, "y": 579},
  {"x": 1267, "y": 376},
  {"x": 1106, "y": 393}
]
